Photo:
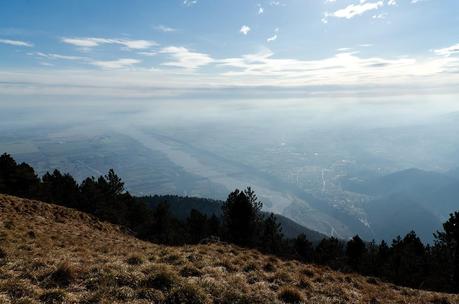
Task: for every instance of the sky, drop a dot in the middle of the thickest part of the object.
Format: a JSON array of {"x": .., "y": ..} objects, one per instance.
[{"x": 191, "y": 49}]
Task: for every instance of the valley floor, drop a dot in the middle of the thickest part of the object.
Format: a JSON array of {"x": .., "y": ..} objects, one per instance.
[{"x": 50, "y": 254}]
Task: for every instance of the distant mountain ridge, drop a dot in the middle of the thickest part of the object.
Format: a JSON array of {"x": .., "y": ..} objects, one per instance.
[
  {"x": 411, "y": 199},
  {"x": 413, "y": 180}
]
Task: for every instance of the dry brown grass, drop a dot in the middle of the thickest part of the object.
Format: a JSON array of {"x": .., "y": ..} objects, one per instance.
[{"x": 50, "y": 254}]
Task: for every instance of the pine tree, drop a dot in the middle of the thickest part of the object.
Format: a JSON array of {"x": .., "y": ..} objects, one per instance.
[
  {"x": 196, "y": 224},
  {"x": 162, "y": 224},
  {"x": 241, "y": 217},
  {"x": 15, "y": 179},
  {"x": 449, "y": 238},
  {"x": 329, "y": 251},
  {"x": 115, "y": 184},
  {"x": 271, "y": 237},
  {"x": 214, "y": 226},
  {"x": 355, "y": 250},
  {"x": 59, "y": 188},
  {"x": 407, "y": 260},
  {"x": 303, "y": 248}
]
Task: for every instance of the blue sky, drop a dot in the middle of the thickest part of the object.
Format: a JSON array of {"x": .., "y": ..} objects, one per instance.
[{"x": 151, "y": 49}]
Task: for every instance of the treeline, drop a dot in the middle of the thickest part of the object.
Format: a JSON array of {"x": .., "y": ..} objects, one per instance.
[{"x": 406, "y": 261}]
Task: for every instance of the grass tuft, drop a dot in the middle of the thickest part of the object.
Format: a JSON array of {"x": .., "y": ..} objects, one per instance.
[
  {"x": 187, "y": 294},
  {"x": 64, "y": 274},
  {"x": 269, "y": 267},
  {"x": 249, "y": 267},
  {"x": 309, "y": 273},
  {"x": 163, "y": 280},
  {"x": 440, "y": 300},
  {"x": 16, "y": 289},
  {"x": 135, "y": 260},
  {"x": 124, "y": 293},
  {"x": 304, "y": 284},
  {"x": 152, "y": 295},
  {"x": 290, "y": 295},
  {"x": 190, "y": 271},
  {"x": 55, "y": 296}
]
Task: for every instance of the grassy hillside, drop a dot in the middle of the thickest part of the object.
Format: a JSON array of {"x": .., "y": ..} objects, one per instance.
[{"x": 51, "y": 254}]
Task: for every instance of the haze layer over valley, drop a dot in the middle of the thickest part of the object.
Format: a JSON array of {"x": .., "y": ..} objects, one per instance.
[{"x": 377, "y": 167}]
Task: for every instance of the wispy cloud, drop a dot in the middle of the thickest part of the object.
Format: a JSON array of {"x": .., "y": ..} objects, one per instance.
[
  {"x": 261, "y": 10},
  {"x": 448, "y": 51},
  {"x": 190, "y": 2},
  {"x": 115, "y": 64},
  {"x": 244, "y": 29},
  {"x": 47, "y": 64},
  {"x": 165, "y": 29},
  {"x": 58, "y": 56},
  {"x": 276, "y": 3},
  {"x": 84, "y": 42},
  {"x": 150, "y": 54},
  {"x": 380, "y": 16},
  {"x": 16, "y": 42},
  {"x": 94, "y": 42},
  {"x": 272, "y": 38},
  {"x": 184, "y": 58},
  {"x": 136, "y": 44},
  {"x": 104, "y": 64}
]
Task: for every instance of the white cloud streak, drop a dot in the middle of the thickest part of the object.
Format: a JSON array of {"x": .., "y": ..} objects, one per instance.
[
  {"x": 150, "y": 54},
  {"x": 356, "y": 9},
  {"x": 121, "y": 63},
  {"x": 271, "y": 39},
  {"x": 165, "y": 29},
  {"x": 449, "y": 51},
  {"x": 16, "y": 43},
  {"x": 94, "y": 42},
  {"x": 115, "y": 64},
  {"x": 190, "y": 2},
  {"x": 59, "y": 56}
]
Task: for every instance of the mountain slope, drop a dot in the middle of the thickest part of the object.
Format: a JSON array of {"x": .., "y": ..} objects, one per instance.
[
  {"x": 51, "y": 254},
  {"x": 408, "y": 200},
  {"x": 395, "y": 215},
  {"x": 443, "y": 201},
  {"x": 454, "y": 173}
]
